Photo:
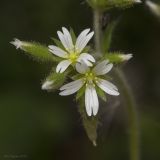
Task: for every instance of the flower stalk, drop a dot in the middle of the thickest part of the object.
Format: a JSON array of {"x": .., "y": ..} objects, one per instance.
[
  {"x": 132, "y": 114},
  {"x": 97, "y": 22},
  {"x": 129, "y": 100}
]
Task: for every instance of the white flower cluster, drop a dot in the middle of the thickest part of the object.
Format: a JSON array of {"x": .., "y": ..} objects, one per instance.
[{"x": 91, "y": 76}]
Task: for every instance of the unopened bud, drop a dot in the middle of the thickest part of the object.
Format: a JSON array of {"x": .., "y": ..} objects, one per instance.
[
  {"x": 47, "y": 85},
  {"x": 125, "y": 57}
]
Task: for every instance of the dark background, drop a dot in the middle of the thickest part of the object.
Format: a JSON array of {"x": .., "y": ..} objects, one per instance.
[{"x": 35, "y": 124}]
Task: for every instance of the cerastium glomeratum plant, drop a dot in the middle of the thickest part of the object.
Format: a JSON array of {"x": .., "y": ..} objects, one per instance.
[{"x": 86, "y": 67}]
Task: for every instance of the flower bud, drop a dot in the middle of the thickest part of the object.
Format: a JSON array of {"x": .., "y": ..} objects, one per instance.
[
  {"x": 118, "y": 57},
  {"x": 36, "y": 50},
  {"x": 47, "y": 85}
]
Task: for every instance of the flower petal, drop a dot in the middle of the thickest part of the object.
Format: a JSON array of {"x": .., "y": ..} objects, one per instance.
[
  {"x": 86, "y": 58},
  {"x": 57, "y": 51},
  {"x": 102, "y": 68},
  {"x": 95, "y": 103},
  {"x": 68, "y": 38},
  {"x": 91, "y": 100},
  {"x": 63, "y": 40},
  {"x": 88, "y": 101},
  {"x": 108, "y": 87},
  {"x": 72, "y": 84},
  {"x": 83, "y": 39},
  {"x": 82, "y": 67},
  {"x": 71, "y": 88},
  {"x": 62, "y": 66}
]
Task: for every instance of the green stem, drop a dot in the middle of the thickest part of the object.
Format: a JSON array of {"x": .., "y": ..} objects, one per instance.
[
  {"x": 132, "y": 115},
  {"x": 97, "y": 29},
  {"x": 125, "y": 90}
]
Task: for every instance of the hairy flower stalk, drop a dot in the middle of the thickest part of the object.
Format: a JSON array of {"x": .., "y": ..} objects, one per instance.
[
  {"x": 91, "y": 78},
  {"x": 72, "y": 53}
]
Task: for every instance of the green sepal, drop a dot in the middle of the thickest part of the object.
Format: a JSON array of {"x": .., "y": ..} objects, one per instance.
[
  {"x": 38, "y": 51},
  {"x": 58, "y": 43},
  {"x": 80, "y": 93},
  {"x": 107, "y": 36},
  {"x": 57, "y": 78},
  {"x": 101, "y": 94},
  {"x": 77, "y": 76},
  {"x": 73, "y": 35},
  {"x": 114, "y": 57},
  {"x": 86, "y": 49}
]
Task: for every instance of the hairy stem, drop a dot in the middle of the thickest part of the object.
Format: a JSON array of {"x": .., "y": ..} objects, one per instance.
[
  {"x": 132, "y": 115},
  {"x": 97, "y": 29},
  {"x": 126, "y": 92}
]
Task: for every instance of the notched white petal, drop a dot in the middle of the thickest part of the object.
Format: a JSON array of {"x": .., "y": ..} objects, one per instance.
[
  {"x": 102, "y": 68},
  {"x": 108, "y": 87},
  {"x": 81, "y": 37},
  {"x": 95, "y": 105},
  {"x": 62, "y": 39},
  {"x": 71, "y": 87},
  {"x": 57, "y": 51},
  {"x": 86, "y": 58},
  {"x": 85, "y": 41},
  {"x": 82, "y": 67},
  {"x": 68, "y": 39},
  {"x": 73, "y": 84},
  {"x": 88, "y": 101},
  {"x": 62, "y": 66}
]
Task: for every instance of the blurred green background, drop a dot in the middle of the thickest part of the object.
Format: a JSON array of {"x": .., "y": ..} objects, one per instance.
[{"x": 35, "y": 124}]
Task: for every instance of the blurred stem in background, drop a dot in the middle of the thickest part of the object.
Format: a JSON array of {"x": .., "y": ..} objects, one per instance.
[
  {"x": 97, "y": 22},
  {"x": 125, "y": 91}
]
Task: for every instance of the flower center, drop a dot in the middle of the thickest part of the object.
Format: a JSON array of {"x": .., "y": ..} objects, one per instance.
[
  {"x": 90, "y": 78},
  {"x": 73, "y": 57}
]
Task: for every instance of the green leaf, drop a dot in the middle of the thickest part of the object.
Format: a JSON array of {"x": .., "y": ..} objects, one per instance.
[
  {"x": 90, "y": 123},
  {"x": 107, "y": 37}
]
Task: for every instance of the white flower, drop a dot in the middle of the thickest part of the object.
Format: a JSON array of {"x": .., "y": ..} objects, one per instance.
[
  {"x": 73, "y": 52},
  {"x": 90, "y": 78}
]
